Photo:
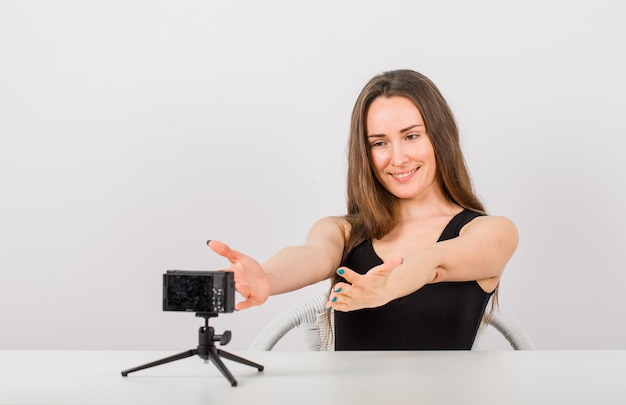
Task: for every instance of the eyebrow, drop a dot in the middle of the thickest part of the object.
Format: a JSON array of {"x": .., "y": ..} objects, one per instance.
[{"x": 410, "y": 127}]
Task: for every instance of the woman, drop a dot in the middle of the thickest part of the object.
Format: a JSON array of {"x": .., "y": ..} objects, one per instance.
[{"x": 416, "y": 259}]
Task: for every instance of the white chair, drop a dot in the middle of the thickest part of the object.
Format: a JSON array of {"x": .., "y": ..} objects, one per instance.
[{"x": 309, "y": 317}]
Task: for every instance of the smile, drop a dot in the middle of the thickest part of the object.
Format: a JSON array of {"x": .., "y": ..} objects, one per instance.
[{"x": 404, "y": 175}]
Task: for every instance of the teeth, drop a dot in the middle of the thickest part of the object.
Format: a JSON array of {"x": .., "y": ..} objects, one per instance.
[{"x": 404, "y": 175}]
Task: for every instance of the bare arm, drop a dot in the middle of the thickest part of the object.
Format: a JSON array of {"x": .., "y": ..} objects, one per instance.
[
  {"x": 289, "y": 269},
  {"x": 479, "y": 253},
  {"x": 317, "y": 259}
]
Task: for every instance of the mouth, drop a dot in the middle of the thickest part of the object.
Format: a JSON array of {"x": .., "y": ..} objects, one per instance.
[{"x": 403, "y": 175}]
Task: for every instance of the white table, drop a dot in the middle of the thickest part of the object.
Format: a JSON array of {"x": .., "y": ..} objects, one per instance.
[{"x": 499, "y": 377}]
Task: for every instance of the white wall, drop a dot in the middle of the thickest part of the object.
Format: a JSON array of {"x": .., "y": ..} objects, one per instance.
[{"x": 133, "y": 131}]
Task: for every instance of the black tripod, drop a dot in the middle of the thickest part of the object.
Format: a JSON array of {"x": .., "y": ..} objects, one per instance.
[{"x": 206, "y": 349}]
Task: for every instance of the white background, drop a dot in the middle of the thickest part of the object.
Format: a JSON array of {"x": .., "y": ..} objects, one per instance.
[{"x": 133, "y": 131}]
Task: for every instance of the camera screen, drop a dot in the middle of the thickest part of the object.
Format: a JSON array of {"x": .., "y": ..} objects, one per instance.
[{"x": 198, "y": 291}]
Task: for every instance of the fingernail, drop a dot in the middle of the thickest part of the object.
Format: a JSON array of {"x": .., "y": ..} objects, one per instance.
[
  {"x": 338, "y": 289},
  {"x": 334, "y": 299},
  {"x": 208, "y": 241},
  {"x": 340, "y": 271},
  {"x": 329, "y": 308}
]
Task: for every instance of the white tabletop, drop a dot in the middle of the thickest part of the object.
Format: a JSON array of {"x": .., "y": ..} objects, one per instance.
[{"x": 499, "y": 377}]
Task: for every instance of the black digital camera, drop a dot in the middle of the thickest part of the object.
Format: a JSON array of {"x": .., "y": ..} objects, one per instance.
[{"x": 199, "y": 291}]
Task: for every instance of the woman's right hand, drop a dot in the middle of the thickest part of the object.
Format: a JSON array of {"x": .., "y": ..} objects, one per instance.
[{"x": 251, "y": 281}]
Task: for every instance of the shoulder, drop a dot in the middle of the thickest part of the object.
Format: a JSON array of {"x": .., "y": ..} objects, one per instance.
[
  {"x": 335, "y": 221},
  {"x": 332, "y": 225},
  {"x": 497, "y": 225},
  {"x": 496, "y": 221}
]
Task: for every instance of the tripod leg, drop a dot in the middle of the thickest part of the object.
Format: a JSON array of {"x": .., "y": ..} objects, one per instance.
[
  {"x": 169, "y": 359},
  {"x": 213, "y": 356},
  {"x": 238, "y": 359}
]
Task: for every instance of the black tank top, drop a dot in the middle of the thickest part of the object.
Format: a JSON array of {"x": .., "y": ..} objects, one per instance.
[{"x": 440, "y": 316}]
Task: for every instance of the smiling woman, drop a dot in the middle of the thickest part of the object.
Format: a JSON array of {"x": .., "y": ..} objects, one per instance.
[
  {"x": 410, "y": 195},
  {"x": 415, "y": 260},
  {"x": 399, "y": 147}
]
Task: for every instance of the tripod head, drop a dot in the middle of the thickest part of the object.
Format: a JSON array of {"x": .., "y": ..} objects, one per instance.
[
  {"x": 207, "y": 315},
  {"x": 207, "y": 333}
]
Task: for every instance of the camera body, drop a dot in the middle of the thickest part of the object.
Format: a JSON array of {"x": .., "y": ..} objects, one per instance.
[{"x": 199, "y": 291}]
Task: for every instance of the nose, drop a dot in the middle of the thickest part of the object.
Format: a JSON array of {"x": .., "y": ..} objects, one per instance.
[{"x": 398, "y": 154}]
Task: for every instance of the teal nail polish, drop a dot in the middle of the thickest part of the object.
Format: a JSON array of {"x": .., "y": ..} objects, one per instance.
[
  {"x": 338, "y": 290},
  {"x": 334, "y": 299},
  {"x": 329, "y": 308},
  {"x": 340, "y": 271}
]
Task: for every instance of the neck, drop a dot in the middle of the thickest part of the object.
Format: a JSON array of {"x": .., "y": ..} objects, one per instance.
[{"x": 429, "y": 204}]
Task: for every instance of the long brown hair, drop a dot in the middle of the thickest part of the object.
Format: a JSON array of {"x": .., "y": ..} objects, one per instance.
[{"x": 372, "y": 211}]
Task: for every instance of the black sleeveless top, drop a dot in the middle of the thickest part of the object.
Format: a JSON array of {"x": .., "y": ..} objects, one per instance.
[{"x": 440, "y": 316}]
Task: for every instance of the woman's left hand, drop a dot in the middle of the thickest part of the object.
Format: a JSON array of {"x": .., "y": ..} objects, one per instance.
[{"x": 368, "y": 290}]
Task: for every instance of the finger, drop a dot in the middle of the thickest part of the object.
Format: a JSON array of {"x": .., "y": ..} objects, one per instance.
[
  {"x": 332, "y": 295},
  {"x": 333, "y": 301},
  {"x": 338, "y": 302},
  {"x": 387, "y": 267},
  {"x": 340, "y": 287},
  {"x": 244, "y": 291},
  {"x": 224, "y": 250},
  {"x": 349, "y": 275},
  {"x": 243, "y": 305}
]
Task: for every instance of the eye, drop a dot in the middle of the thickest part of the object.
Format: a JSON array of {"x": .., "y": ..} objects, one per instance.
[
  {"x": 378, "y": 144},
  {"x": 412, "y": 137}
]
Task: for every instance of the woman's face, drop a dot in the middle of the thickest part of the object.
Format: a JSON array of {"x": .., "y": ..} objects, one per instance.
[{"x": 401, "y": 153}]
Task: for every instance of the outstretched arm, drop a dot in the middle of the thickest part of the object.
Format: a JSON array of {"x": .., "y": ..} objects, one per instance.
[
  {"x": 291, "y": 268},
  {"x": 479, "y": 253}
]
